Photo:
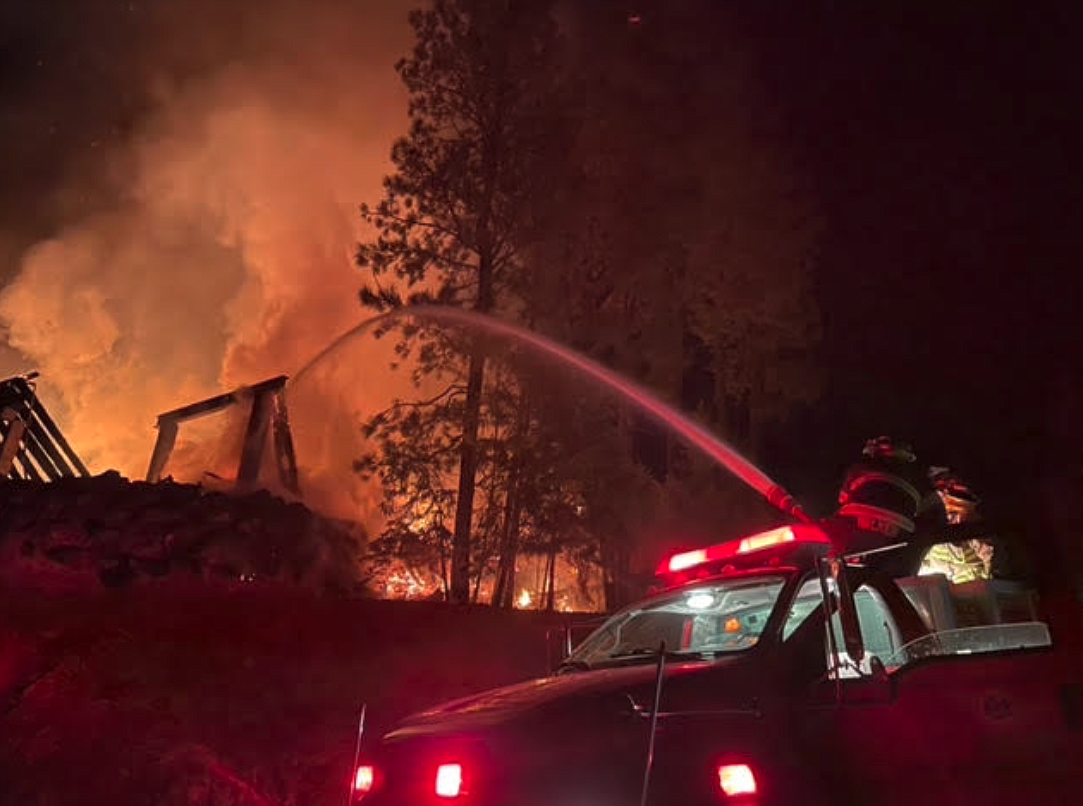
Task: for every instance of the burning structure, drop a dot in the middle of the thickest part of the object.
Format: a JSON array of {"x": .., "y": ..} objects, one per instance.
[
  {"x": 64, "y": 529},
  {"x": 31, "y": 445},
  {"x": 267, "y": 418}
]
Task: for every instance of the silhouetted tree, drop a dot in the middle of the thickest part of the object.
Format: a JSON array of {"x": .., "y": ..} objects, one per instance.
[
  {"x": 683, "y": 257},
  {"x": 676, "y": 249},
  {"x": 459, "y": 206}
]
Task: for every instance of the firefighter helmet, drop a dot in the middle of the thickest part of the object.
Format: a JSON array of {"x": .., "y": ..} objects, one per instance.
[{"x": 960, "y": 501}]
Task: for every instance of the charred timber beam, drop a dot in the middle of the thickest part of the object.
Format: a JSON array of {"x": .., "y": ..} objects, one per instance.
[
  {"x": 16, "y": 393},
  {"x": 163, "y": 448},
  {"x": 274, "y": 384},
  {"x": 40, "y": 456},
  {"x": 218, "y": 402},
  {"x": 29, "y": 471},
  {"x": 40, "y": 447},
  {"x": 255, "y": 439},
  {"x": 198, "y": 409},
  {"x": 13, "y": 430},
  {"x": 58, "y": 440},
  {"x": 285, "y": 457},
  {"x": 55, "y": 452},
  {"x": 169, "y": 421}
]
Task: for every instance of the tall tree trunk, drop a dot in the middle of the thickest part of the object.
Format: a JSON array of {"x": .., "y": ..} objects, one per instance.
[
  {"x": 551, "y": 573},
  {"x": 504, "y": 587},
  {"x": 615, "y": 571},
  {"x": 468, "y": 466},
  {"x": 468, "y": 455},
  {"x": 609, "y": 588}
]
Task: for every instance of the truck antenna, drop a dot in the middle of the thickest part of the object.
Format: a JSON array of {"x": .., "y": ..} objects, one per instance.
[
  {"x": 659, "y": 677},
  {"x": 356, "y": 754}
]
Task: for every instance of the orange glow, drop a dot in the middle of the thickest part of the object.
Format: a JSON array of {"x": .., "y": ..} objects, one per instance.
[
  {"x": 191, "y": 282},
  {"x": 400, "y": 581}
]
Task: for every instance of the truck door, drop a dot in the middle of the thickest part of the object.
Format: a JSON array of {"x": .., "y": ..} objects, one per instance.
[
  {"x": 849, "y": 727},
  {"x": 891, "y": 750},
  {"x": 962, "y": 726}
]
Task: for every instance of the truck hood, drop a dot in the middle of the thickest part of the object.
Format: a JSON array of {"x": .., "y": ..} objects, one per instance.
[{"x": 622, "y": 688}]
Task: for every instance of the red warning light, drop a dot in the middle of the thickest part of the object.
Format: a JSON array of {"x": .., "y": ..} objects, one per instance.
[
  {"x": 734, "y": 548},
  {"x": 364, "y": 778},
  {"x": 449, "y": 780},
  {"x": 783, "y": 534},
  {"x": 736, "y": 779},
  {"x": 686, "y": 559}
]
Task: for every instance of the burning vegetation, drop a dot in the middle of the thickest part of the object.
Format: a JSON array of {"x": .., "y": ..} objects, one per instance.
[
  {"x": 537, "y": 192},
  {"x": 512, "y": 195}
]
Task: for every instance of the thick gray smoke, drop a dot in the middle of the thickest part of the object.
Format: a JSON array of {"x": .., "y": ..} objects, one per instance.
[{"x": 226, "y": 257}]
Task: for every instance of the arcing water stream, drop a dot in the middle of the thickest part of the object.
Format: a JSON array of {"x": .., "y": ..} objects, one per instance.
[{"x": 648, "y": 403}]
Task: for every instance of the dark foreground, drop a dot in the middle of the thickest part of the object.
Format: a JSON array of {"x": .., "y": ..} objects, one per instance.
[{"x": 181, "y": 692}]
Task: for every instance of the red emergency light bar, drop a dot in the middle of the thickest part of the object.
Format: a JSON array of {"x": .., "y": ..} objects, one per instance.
[{"x": 735, "y": 548}]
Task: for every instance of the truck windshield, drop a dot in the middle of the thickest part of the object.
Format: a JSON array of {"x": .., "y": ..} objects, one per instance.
[{"x": 700, "y": 621}]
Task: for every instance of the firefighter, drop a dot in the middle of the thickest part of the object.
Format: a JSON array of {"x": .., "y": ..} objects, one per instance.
[
  {"x": 884, "y": 499},
  {"x": 968, "y": 560}
]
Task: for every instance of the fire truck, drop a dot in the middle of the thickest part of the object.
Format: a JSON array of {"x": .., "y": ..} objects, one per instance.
[{"x": 775, "y": 669}]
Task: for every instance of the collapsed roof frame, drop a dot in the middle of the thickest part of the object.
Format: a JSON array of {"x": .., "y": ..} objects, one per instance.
[
  {"x": 31, "y": 445},
  {"x": 268, "y": 414}
]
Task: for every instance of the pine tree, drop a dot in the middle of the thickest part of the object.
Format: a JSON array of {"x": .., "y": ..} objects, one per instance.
[
  {"x": 460, "y": 204},
  {"x": 675, "y": 250},
  {"x": 683, "y": 259}
]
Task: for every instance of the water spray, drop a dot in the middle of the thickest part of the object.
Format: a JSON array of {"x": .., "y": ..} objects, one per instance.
[{"x": 647, "y": 402}]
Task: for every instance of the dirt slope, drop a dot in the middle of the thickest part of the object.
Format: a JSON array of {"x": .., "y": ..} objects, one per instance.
[
  {"x": 166, "y": 644},
  {"x": 181, "y": 692}
]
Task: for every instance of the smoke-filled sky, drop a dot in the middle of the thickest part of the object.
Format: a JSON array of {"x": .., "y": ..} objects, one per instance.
[
  {"x": 178, "y": 208},
  {"x": 179, "y": 182}
]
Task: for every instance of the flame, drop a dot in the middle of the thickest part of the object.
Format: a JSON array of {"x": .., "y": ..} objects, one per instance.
[{"x": 226, "y": 257}]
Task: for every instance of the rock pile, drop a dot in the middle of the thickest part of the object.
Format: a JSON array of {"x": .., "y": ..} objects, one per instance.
[{"x": 108, "y": 530}]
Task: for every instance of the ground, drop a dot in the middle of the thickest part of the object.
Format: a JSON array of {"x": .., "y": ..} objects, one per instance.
[{"x": 179, "y": 691}]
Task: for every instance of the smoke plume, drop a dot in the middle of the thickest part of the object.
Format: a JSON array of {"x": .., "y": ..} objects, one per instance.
[{"x": 224, "y": 254}]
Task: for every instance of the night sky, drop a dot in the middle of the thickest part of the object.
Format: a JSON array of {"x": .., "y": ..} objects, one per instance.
[
  {"x": 942, "y": 142},
  {"x": 74, "y": 78},
  {"x": 945, "y": 143}
]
